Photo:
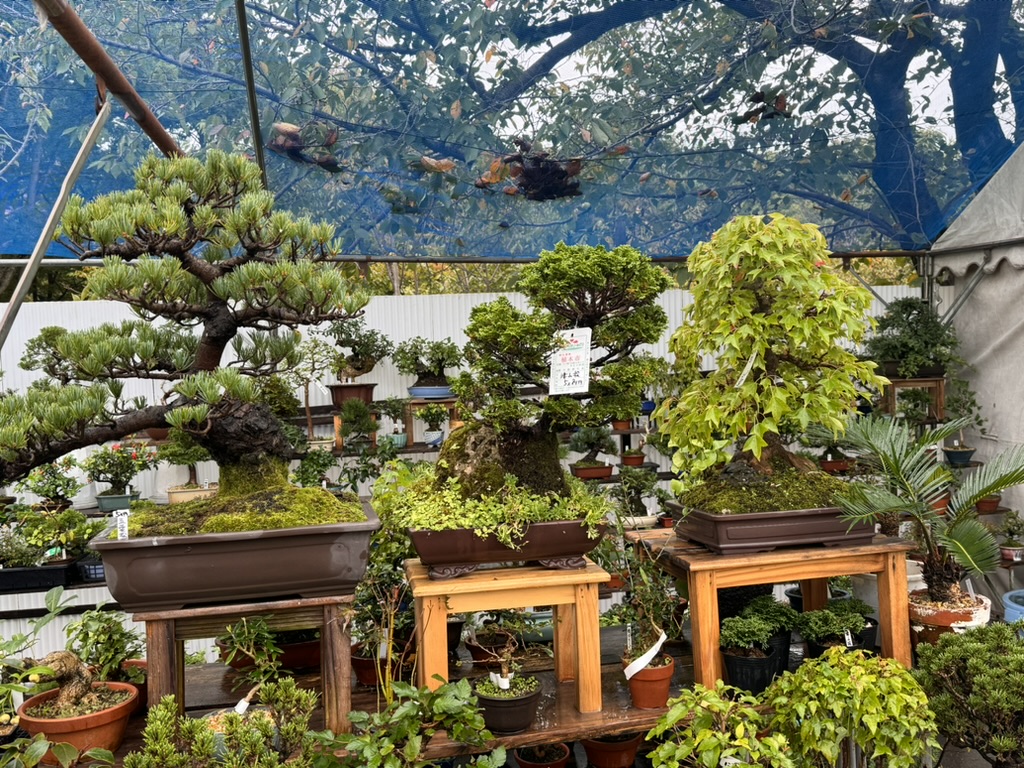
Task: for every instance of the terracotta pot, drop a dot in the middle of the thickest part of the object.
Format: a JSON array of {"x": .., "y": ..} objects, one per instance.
[
  {"x": 600, "y": 472},
  {"x": 622, "y": 425},
  {"x": 612, "y": 751},
  {"x": 448, "y": 554},
  {"x": 150, "y": 573},
  {"x": 928, "y": 622},
  {"x": 555, "y": 756},
  {"x": 1012, "y": 554},
  {"x": 104, "y": 729},
  {"x": 649, "y": 687},
  {"x": 941, "y": 504},
  {"x": 158, "y": 434},
  {"x": 988, "y": 503},
  {"x": 765, "y": 531},
  {"x": 836, "y": 466},
  {"x": 666, "y": 521},
  {"x": 142, "y": 687},
  {"x": 512, "y": 715},
  {"x": 633, "y": 459}
]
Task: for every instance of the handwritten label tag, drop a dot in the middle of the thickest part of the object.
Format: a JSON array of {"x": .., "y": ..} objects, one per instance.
[
  {"x": 570, "y": 363},
  {"x": 849, "y": 639},
  {"x": 121, "y": 519}
]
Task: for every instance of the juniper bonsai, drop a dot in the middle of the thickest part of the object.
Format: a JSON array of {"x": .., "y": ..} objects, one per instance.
[{"x": 198, "y": 252}]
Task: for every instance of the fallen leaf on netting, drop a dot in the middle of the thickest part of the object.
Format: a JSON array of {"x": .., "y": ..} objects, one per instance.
[{"x": 437, "y": 166}]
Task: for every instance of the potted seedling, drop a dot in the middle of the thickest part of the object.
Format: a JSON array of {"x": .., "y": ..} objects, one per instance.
[
  {"x": 182, "y": 449},
  {"x": 1011, "y": 546},
  {"x": 649, "y": 607},
  {"x": 394, "y": 409},
  {"x": 782, "y": 619},
  {"x": 750, "y": 659},
  {"x": 428, "y": 361},
  {"x": 118, "y": 464},
  {"x": 591, "y": 442},
  {"x": 825, "y": 628},
  {"x": 433, "y": 415},
  {"x": 359, "y": 349},
  {"x": 508, "y": 700}
]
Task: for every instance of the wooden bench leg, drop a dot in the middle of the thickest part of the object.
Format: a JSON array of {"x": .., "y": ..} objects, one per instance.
[
  {"x": 893, "y": 609},
  {"x": 707, "y": 662},
  {"x": 564, "y": 637},
  {"x": 336, "y": 671},
  {"x": 432, "y": 630},
  {"x": 163, "y": 663},
  {"x": 587, "y": 649}
]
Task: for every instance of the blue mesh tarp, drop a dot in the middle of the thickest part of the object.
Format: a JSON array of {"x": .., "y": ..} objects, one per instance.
[{"x": 489, "y": 128}]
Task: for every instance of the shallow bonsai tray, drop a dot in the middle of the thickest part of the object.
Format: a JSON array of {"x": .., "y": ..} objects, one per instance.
[
  {"x": 560, "y": 544},
  {"x": 765, "y": 531},
  {"x": 170, "y": 572}
]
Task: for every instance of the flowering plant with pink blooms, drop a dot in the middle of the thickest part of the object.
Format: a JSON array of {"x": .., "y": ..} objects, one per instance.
[{"x": 117, "y": 464}]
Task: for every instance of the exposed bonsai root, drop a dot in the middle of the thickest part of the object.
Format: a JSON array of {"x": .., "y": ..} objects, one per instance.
[{"x": 73, "y": 677}]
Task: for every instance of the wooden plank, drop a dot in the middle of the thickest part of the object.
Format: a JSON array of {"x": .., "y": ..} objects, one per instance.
[
  {"x": 500, "y": 579},
  {"x": 894, "y": 610},
  {"x": 261, "y": 606},
  {"x": 587, "y": 654},
  {"x": 336, "y": 662},
  {"x": 162, "y": 674}
]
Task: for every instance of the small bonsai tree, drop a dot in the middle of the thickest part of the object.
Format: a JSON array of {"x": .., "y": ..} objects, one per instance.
[
  {"x": 611, "y": 292},
  {"x": 1011, "y": 529},
  {"x": 912, "y": 334},
  {"x": 394, "y": 409},
  {"x": 316, "y": 357},
  {"x": 427, "y": 360},
  {"x": 780, "y": 324},
  {"x": 182, "y": 450},
  {"x": 745, "y": 636},
  {"x": 197, "y": 250},
  {"x": 104, "y": 641},
  {"x": 592, "y": 441},
  {"x": 52, "y": 482},
  {"x": 433, "y": 415},
  {"x": 359, "y": 348}
]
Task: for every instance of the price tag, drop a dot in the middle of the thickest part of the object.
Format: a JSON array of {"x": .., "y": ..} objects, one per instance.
[
  {"x": 121, "y": 518},
  {"x": 570, "y": 364}
]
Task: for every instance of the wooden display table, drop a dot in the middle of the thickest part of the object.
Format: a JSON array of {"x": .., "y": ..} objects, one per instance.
[
  {"x": 936, "y": 388},
  {"x": 166, "y": 632},
  {"x": 572, "y": 595},
  {"x": 706, "y": 573},
  {"x": 414, "y": 404}
]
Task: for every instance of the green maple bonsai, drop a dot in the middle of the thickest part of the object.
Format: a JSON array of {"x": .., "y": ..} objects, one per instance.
[
  {"x": 781, "y": 326},
  {"x": 198, "y": 252}
]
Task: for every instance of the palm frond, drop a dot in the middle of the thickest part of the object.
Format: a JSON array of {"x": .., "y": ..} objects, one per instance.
[
  {"x": 1001, "y": 472},
  {"x": 970, "y": 544}
]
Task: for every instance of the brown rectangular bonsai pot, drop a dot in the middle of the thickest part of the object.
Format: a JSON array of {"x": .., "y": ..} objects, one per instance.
[
  {"x": 765, "y": 531},
  {"x": 169, "y": 572}
]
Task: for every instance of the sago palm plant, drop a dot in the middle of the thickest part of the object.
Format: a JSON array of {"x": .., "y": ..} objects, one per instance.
[{"x": 908, "y": 478}]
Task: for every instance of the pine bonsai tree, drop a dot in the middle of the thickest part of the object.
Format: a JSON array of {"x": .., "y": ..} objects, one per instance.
[{"x": 213, "y": 272}]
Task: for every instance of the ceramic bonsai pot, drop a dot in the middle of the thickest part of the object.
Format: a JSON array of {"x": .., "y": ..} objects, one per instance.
[
  {"x": 300, "y": 655},
  {"x": 599, "y": 472},
  {"x": 649, "y": 687},
  {"x": 509, "y": 715},
  {"x": 104, "y": 729},
  {"x": 958, "y": 457},
  {"x": 181, "y": 495},
  {"x": 988, "y": 503},
  {"x": 765, "y": 531},
  {"x": 1012, "y": 554},
  {"x": 169, "y": 572},
  {"x": 632, "y": 459},
  {"x": 342, "y": 392},
  {"x": 114, "y": 502},
  {"x": 1013, "y": 605},
  {"x": 544, "y": 756},
  {"x": 613, "y": 751},
  {"x": 560, "y": 544},
  {"x": 431, "y": 393}
]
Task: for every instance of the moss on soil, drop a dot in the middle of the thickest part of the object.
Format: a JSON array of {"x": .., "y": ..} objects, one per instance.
[
  {"x": 249, "y": 499},
  {"x": 737, "y": 491},
  {"x": 95, "y": 701}
]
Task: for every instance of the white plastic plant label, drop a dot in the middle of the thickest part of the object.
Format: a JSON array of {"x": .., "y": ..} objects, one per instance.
[
  {"x": 121, "y": 519},
  {"x": 849, "y": 638},
  {"x": 970, "y": 587},
  {"x": 502, "y": 681},
  {"x": 646, "y": 659},
  {"x": 570, "y": 364},
  {"x": 242, "y": 706}
]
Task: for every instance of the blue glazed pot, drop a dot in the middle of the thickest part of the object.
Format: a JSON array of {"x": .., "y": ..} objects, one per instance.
[
  {"x": 430, "y": 393},
  {"x": 1013, "y": 605}
]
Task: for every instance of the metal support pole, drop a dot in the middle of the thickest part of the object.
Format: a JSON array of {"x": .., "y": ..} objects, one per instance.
[
  {"x": 89, "y": 50},
  {"x": 46, "y": 236},
  {"x": 250, "y": 89}
]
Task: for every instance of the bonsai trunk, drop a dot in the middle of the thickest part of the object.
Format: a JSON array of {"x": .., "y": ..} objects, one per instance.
[
  {"x": 243, "y": 432},
  {"x": 773, "y": 455},
  {"x": 309, "y": 411},
  {"x": 73, "y": 677}
]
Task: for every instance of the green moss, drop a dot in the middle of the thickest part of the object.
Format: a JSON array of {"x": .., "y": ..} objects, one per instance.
[
  {"x": 742, "y": 492},
  {"x": 243, "y": 479},
  {"x": 480, "y": 458},
  {"x": 284, "y": 506}
]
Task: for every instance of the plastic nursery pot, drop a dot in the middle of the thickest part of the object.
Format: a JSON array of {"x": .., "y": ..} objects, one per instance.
[
  {"x": 509, "y": 715},
  {"x": 752, "y": 673},
  {"x": 545, "y": 756},
  {"x": 612, "y": 751}
]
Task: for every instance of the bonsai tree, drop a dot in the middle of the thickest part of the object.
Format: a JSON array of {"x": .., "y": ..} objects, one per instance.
[
  {"x": 427, "y": 360},
  {"x": 316, "y": 357},
  {"x": 118, "y": 464},
  {"x": 1011, "y": 529},
  {"x": 780, "y": 324},
  {"x": 962, "y": 403},
  {"x": 183, "y": 450},
  {"x": 974, "y": 682},
  {"x": 52, "y": 482},
  {"x": 198, "y": 252},
  {"x": 433, "y": 415},
  {"x": 911, "y": 479},
  {"x": 358, "y": 348},
  {"x": 104, "y": 641},
  {"x": 592, "y": 441},
  {"x": 912, "y": 334},
  {"x": 636, "y": 484},
  {"x": 611, "y": 292}
]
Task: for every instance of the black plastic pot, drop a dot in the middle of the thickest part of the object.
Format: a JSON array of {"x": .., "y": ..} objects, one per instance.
[
  {"x": 814, "y": 650},
  {"x": 781, "y": 642},
  {"x": 750, "y": 672},
  {"x": 512, "y": 715},
  {"x": 796, "y": 597}
]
